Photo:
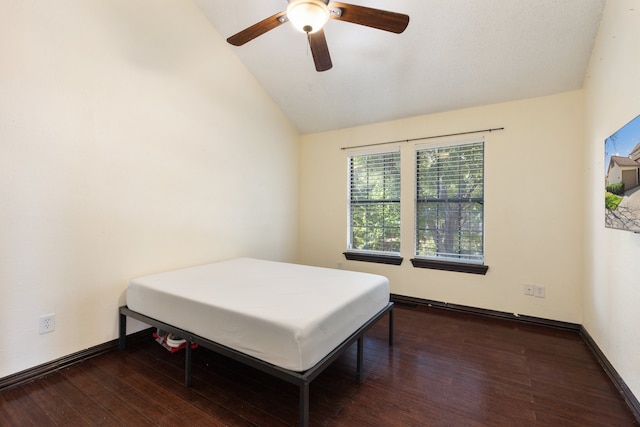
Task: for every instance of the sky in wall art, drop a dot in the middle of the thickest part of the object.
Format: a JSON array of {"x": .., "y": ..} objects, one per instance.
[{"x": 622, "y": 178}]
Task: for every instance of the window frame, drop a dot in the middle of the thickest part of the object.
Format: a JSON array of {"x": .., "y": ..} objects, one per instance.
[
  {"x": 449, "y": 263},
  {"x": 352, "y": 253}
]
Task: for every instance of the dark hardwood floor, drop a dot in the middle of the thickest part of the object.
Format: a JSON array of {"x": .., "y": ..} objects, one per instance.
[{"x": 445, "y": 369}]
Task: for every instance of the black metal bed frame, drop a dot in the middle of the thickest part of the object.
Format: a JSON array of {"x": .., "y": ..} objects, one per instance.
[{"x": 301, "y": 379}]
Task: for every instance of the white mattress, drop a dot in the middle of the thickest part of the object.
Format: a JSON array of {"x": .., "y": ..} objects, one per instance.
[{"x": 286, "y": 314}]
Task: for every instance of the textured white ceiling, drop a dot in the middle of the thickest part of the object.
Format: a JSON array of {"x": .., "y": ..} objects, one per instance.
[{"x": 454, "y": 54}]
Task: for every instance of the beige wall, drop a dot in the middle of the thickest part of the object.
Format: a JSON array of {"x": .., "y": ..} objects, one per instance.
[
  {"x": 612, "y": 267},
  {"x": 132, "y": 141},
  {"x": 533, "y": 205}
]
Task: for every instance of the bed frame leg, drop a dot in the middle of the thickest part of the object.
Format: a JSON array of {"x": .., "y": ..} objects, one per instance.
[
  {"x": 391, "y": 326},
  {"x": 187, "y": 364},
  {"x": 304, "y": 404},
  {"x": 360, "y": 359},
  {"x": 122, "y": 337}
]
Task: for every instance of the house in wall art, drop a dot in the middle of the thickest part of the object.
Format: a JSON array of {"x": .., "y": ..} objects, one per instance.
[{"x": 622, "y": 178}]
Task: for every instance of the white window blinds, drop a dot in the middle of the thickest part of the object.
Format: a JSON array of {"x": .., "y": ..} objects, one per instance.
[
  {"x": 374, "y": 202},
  {"x": 449, "y": 202}
]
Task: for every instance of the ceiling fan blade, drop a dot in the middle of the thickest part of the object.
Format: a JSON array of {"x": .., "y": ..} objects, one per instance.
[
  {"x": 369, "y": 17},
  {"x": 320, "y": 51},
  {"x": 258, "y": 29}
]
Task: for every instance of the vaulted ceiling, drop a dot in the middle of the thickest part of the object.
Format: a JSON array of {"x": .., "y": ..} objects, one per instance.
[{"x": 454, "y": 54}]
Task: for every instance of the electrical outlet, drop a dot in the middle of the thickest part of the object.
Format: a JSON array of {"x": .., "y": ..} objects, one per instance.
[
  {"x": 538, "y": 291},
  {"x": 47, "y": 323},
  {"x": 529, "y": 289}
]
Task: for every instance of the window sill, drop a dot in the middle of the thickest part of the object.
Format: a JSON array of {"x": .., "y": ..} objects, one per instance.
[
  {"x": 377, "y": 258},
  {"x": 450, "y": 266}
]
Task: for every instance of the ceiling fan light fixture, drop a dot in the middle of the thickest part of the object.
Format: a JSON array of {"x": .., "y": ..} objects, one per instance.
[{"x": 308, "y": 16}]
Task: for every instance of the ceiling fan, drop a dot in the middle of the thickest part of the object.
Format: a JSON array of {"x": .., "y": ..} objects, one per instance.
[{"x": 309, "y": 16}]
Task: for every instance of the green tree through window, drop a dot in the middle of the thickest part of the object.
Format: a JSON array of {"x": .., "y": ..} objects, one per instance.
[
  {"x": 374, "y": 202},
  {"x": 449, "y": 202}
]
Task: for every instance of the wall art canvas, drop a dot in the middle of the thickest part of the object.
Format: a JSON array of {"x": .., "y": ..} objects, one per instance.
[{"x": 622, "y": 178}]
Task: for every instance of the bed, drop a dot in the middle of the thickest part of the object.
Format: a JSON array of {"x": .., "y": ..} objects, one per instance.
[{"x": 288, "y": 320}]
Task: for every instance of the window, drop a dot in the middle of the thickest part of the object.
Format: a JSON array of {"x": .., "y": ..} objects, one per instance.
[
  {"x": 449, "y": 205},
  {"x": 374, "y": 203}
]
